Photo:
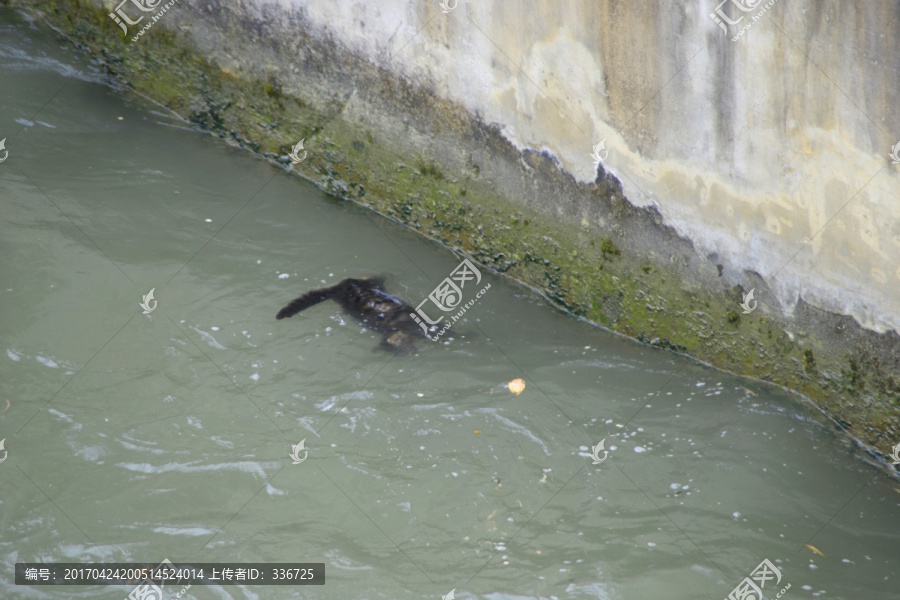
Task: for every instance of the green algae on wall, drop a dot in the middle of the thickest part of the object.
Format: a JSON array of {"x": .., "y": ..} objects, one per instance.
[{"x": 584, "y": 246}]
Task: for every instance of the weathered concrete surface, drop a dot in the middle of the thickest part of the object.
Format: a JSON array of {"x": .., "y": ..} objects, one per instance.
[
  {"x": 728, "y": 154},
  {"x": 748, "y": 148}
]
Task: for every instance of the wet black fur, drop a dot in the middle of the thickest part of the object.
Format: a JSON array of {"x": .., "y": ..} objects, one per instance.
[{"x": 370, "y": 305}]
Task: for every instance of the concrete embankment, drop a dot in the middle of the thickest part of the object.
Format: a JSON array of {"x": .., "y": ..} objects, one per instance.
[{"x": 760, "y": 163}]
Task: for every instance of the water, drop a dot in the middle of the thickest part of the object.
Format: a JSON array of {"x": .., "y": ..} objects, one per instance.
[{"x": 137, "y": 437}]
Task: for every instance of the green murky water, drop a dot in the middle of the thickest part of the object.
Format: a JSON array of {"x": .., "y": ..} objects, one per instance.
[{"x": 135, "y": 438}]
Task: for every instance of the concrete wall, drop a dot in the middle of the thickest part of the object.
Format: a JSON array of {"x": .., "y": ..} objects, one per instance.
[
  {"x": 770, "y": 152},
  {"x": 758, "y": 163}
]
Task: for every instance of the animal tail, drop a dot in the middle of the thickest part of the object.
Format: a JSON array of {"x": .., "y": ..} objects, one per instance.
[{"x": 305, "y": 301}]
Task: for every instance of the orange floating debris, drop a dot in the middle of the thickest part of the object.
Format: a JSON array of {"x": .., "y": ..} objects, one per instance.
[
  {"x": 816, "y": 550},
  {"x": 477, "y": 431},
  {"x": 516, "y": 386}
]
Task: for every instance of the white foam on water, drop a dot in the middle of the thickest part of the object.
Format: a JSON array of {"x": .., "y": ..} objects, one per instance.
[
  {"x": 518, "y": 429},
  {"x": 47, "y": 362},
  {"x": 221, "y": 442},
  {"x": 194, "y": 531},
  {"x": 253, "y": 468},
  {"x": 274, "y": 491},
  {"x": 209, "y": 339}
]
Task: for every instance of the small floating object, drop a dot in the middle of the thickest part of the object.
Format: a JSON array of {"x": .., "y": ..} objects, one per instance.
[
  {"x": 209, "y": 220},
  {"x": 816, "y": 550},
  {"x": 516, "y": 386},
  {"x": 121, "y": 118},
  {"x": 477, "y": 431}
]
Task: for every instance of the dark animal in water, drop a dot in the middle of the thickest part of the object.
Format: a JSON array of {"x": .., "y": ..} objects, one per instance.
[{"x": 372, "y": 306}]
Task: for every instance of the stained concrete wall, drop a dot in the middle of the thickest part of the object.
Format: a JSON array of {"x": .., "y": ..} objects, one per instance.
[
  {"x": 757, "y": 163},
  {"x": 770, "y": 152}
]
